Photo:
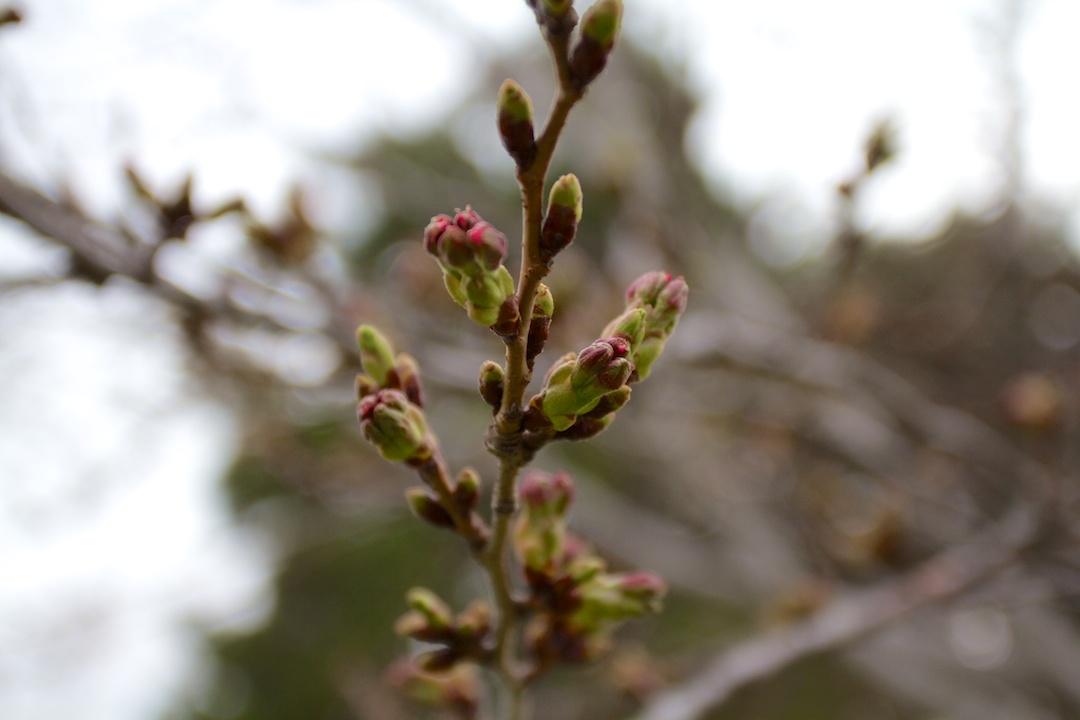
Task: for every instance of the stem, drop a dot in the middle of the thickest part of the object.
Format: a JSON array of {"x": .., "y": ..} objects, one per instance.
[
  {"x": 436, "y": 476},
  {"x": 505, "y": 439}
]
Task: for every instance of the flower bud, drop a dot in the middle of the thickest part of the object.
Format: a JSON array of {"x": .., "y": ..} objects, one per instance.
[
  {"x": 603, "y": 365},
  {"x": 364, "y": 386},
  {"x": 630, "y": 326},
  {"x": 491, "y": 384},
  {"x": 394, "y": 425},
  {"x": 539, "y": 325},
  {"x": 544, "y": 302},
  {"x": 663, "y": 298},
  {"x": 430, "y": 606},
  {"x": 509, "y": 320},
  {"x": 563, "y": 215},
  {"x": 547, "y": 494},
  {"x": 467, "y": 489},
  {"x": 486, "y": 295},
  {"x": 467, "y": 218},
  {"x": 434, "y": 231},
  {"x": 428, "y": 508},
  {"x": 584, "y": 569},
  {"x": 557, "y": 8},
  {"x": 376, "y": 354},
  {"x": 599, "y": 30},
  {"x": 515, "y": 119},
  {"x": 611, "y": 598},
  {"x": 576, "y": 388},
  {"x": 406, "y": 377},
  {"x": 480, "y": 249}
]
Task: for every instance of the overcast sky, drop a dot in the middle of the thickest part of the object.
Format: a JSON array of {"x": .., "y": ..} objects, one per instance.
[{"x": 240, "y": 91}]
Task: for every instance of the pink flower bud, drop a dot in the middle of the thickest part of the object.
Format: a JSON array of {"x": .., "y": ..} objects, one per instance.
[
  {"x": 465, "y": 219},
  {"x": 433, "y": 232},
  {"x": 545, "y": 493},
  {"x": 603, "y": 364}
]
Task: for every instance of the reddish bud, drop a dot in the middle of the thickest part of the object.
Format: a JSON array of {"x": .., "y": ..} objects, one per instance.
[
  {"x": 563, "y": 215},
  {"x": 467, "y": 218},
  {"x": 547, "y": 493},
  {"x": 434, "y": 231}
]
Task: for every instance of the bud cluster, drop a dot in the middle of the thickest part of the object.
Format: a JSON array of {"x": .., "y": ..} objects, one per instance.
[
  {"x": 589, "y": 385},
  {"x": 575, "y": 602},
  {"x": 471, "y": 252},
  {"x": 662, "y": 299},
  {"x": 462, "y": 637},
  {"x": 456, "y": 691},
  {"x": 390, "y": 400}
]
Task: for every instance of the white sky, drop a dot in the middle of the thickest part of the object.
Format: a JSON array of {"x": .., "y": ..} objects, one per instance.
[{"x": 240, "y": 91}]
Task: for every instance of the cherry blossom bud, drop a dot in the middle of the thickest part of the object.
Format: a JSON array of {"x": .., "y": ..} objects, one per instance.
[
  {"x": 467, "y": 218},
  {"x": 515, "y": 119},
  {"x": 434, "y": 231},
  {"x": 491, "y": 384},
  {"x": 406, "y": 377},
  {"x": 467, "y": 489},
  {"x": 599, "y": 30},
  {"x": 563, "y": 215},
  {"x": 630, "y": 326},
  {"x": 547, "y": 494},
  {"x": 395, "y": 426},
  {"x": 376, "y": 354},
  {"x": 575, "y": 389},
  {"x": 663, "y": 298},
  {"x": 428, "y": 508}
]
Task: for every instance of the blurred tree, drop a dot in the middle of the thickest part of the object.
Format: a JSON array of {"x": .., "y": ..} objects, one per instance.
[{"x": 862, "y": 485}]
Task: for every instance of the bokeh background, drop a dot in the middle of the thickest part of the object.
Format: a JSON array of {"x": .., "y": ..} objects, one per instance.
[{"x": 856, "y": 464}]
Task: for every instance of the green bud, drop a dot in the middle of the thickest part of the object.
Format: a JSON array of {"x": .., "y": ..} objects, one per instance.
[
  {"x": 557, "y": 8},
  {"x": 630, "y": 326},
  {"x": 584, "y": 569},
  {"x": 602, "y": 21},
  {"x": 431, "y": 607},
  {"x": 544, "y": 304},
  {"x": 491, "y": 384},
  {"x": 395, "y": 426},
  {"x": 515, "y": 120},
  {"x": 599, "y": 30},
  {"x": 376, "y": 354}
]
